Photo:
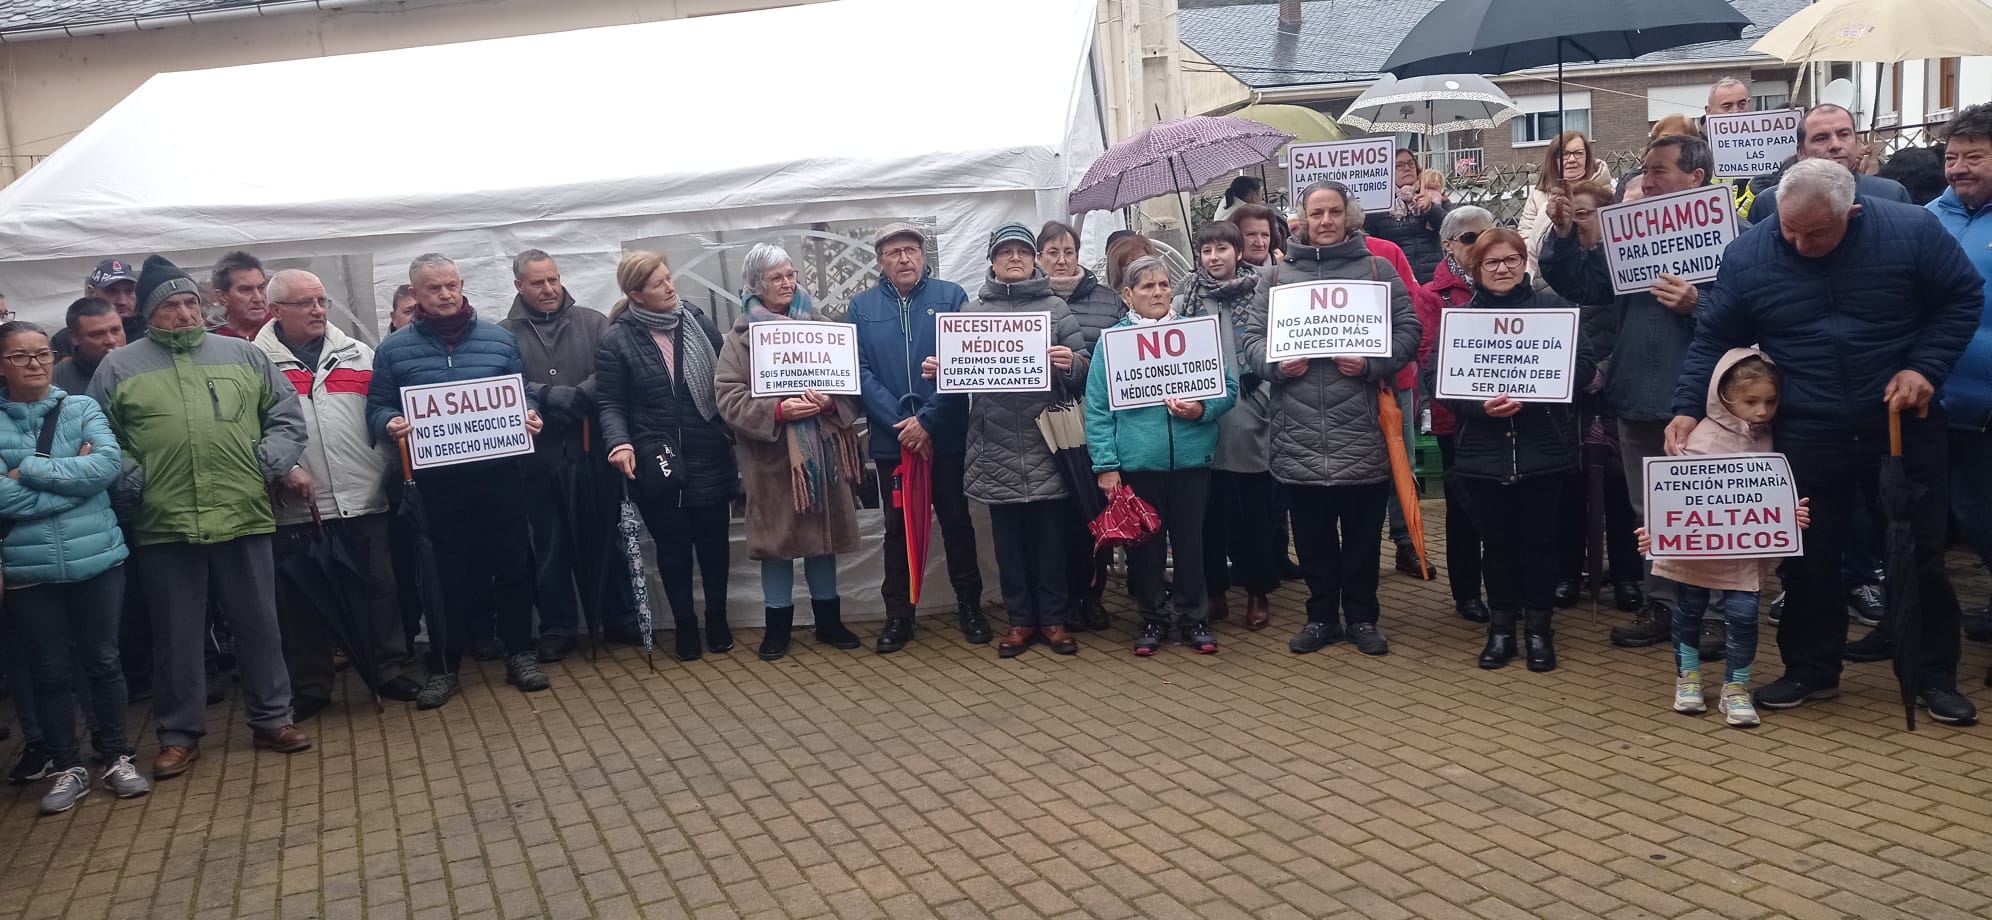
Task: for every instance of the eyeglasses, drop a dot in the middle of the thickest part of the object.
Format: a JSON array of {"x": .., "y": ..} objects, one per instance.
[
  {"x": 1577, "y": 154},
  {"x": 1467, "y": 238},
  {"x": 43, "y": 358},
  {"x": 323, "y": 303},
  {"x": 1509, "y": 262},
  {"x": 900, "y": 252}
]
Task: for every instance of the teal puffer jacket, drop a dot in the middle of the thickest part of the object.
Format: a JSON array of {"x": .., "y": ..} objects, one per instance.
[
  {"x": 60, "y": 505},
  {"x": 1149, "y": 439}
]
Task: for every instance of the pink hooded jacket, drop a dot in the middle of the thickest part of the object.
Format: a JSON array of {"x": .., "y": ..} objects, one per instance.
[{"x": 1721, "y": 432}]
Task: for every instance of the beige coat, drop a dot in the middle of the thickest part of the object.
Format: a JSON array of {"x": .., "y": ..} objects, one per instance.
[
  {"x": 1721, "y": 432},
  {"x": 775, "y": 529}
]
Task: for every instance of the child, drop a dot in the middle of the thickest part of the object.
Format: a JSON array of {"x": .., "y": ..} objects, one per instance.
[{"x": 1742, "y": 398}]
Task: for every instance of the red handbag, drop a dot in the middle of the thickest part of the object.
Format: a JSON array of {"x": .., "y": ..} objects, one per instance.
[{"x": 1126, "y": 521}]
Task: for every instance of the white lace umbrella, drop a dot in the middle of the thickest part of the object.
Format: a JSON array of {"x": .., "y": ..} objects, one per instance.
[{"x": 1429, "y": 105}]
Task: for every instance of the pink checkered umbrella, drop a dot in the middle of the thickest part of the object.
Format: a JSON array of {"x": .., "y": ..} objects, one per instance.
[{"x": 1173, "y": 157}]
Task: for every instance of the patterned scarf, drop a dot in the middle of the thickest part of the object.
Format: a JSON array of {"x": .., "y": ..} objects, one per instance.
[
  {"x": 697, "y": 348},
  {"x": 1404, "y": 204},
  {"x": 819, "y": 455},
  {"x": 1229, "y": 293}
]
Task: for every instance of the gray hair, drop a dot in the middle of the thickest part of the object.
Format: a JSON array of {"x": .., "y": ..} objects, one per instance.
[
  {"x": 526, "y": 258},
  {"x": 1726, "y": 81},
  {"x": 1824, "y": 181},
  {"x": 279, "y": 289},
  {"x": 429, "y": 260},
  {"x": 1466, "y": 215},
  {"x": 1131, "y": 275},
  {"x": 761, "y": 259}
]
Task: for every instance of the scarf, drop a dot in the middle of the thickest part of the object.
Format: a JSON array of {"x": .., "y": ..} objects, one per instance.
[
  {"x": 1404, "y": 204},
  {"x": 1064, "y": 286},
  {"x": 1136, "y": 319},
  {"x": 1460, "y": 270},
  {"x": 698, "y": 361},
  {"x": 1201, "y": 286},
  {"x": 819, "y": 455},
  {"x": 452, "y": 328}
]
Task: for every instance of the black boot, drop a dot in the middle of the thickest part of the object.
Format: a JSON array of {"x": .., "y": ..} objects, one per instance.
[
  {"x": 685, "y": 635},
  {"x": 719, "y": 636},
  {"x": 1541, "y": 641},
  {"x": 830, "y": 623},
  {"x": 973, "y": 622},
  {"x": 1568, "y": 590},
  {"x": 776, "y": 643},
  {"x": 1500, "y": 640},
  {"x": 897, "y": 632},
  {"x": 1095, "y": 611}
]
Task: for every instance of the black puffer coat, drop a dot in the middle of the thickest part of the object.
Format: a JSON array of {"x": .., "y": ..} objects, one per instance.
[
  {"x": 1096, "y": 306},
  {"x": 1540, "y": 440},
  {"x": 1418, "y": 236},
  {"x": 638, "y": 400}
]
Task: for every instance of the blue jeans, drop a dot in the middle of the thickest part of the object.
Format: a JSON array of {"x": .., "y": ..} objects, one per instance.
[
  {"x": 69, "y": 629},
  {"x": 1739, "y": 612},
  {"x": 778, "y": 579}
]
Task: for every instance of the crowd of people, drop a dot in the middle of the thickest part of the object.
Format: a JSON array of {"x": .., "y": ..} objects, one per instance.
[{"x": 166, "y": 474}]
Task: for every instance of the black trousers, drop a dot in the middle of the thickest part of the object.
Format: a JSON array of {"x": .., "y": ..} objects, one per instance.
[
  {"x": 1338, "y": 530},
  {"x": 1517, "y": 523},
  {"x": 957, "y": 537},
  {"x": 573, "y": 508},
  {"x": 1179, "y": 498},
  {"x": 1621, "y": 544},
  {"x": 1462, "y": 537},
  {"x": 1241, "y": 527},
  {"x": 484, "y": 551},
  {"x": 684, "y": 535},
  {"x": 1032, "y": 540},
  {"x": 1834, "y": 474}
]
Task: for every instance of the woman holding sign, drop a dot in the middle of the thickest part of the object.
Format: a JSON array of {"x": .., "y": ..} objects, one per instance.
[
  {"x": 798, "y": 459},
  {"x": 1327, "y": 444},
  {"x": 1164, "y": 454},
  {"x": 1511, "y": 458}
]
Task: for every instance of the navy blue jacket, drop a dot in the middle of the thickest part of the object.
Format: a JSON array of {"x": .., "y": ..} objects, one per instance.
[
  {"x": 415, "y": 355},
  {"x": 896, "y": 334},
  {"x": 1896, "y": 294},
  {"x": 1865, "y": 186}
]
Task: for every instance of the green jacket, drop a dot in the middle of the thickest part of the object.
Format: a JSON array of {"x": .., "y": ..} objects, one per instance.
[
  {"x": 1149, "y": 439},
  {"x": 206, "y": 423}
]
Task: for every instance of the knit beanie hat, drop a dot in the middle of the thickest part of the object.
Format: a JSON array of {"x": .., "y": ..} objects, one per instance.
[
  {"x": 1012, "y": 232},
  {"x": 159, "y": 280}
]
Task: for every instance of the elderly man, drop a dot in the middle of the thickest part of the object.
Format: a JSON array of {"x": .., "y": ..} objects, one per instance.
[
  {"x": 895, "y": 321},
  {"x": 1964, "y": 211},
  {"x": 207, "y": 425},
  {"x": 94, "y": 328},
  {"x": 477, "y": 510},
  {"x": 1827, "y": 133},
  {"x": 238, "y": 285},
  {"x": 348, "y": 492},
  {"x": 1865, "y": 305},
  {"x": 115, "y": 282},
  {"x": 571, "y": 525}
]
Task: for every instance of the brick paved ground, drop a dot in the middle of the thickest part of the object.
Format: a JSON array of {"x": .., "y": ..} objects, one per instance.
[{"x": 940, "y": 782}]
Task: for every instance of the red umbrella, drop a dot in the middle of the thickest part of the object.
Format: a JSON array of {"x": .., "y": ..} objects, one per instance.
[{"x": 913, "y": 495}]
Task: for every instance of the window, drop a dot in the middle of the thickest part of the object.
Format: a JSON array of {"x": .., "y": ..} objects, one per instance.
[
  {"x": 1690, "y": 100},
  {"x": 1540, "y": 121},
  {"x": 1770, "y": 94},
  {"x": 1944, "y": 76}
]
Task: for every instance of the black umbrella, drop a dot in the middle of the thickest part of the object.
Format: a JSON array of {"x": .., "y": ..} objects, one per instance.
[
  {"x": 589, "y": 485},
  {"x": 422, "y": 563},
  {"x": 1503, "y": 36},
  {"x": 325, "y": 571},
  {"x": 1900, "y": 590},
  {"x": 1064, "y": 429}
]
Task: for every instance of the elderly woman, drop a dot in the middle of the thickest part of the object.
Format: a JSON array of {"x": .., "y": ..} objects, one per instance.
[
  {"x": 1097, "y": 307},
  {"x": 657, "y": 401},
  {"x": 798, "y": 459},
  {"x": 1011, "y": 468},
  {"x": 1164, "y": 454},
  {"x": 1327, "y": 445},
  {"x": 1451, "y": 285},
  {"x": 1510, "y": 459},
  {"x": 1417, "y": 209},
  {"x": 1567, "y": 162},
  {"x": 1265, "y": 239}
]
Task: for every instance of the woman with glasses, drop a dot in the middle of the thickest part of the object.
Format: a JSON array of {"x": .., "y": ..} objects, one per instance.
[
  {"x": 1451, "y": 286},
  {"x": 1568, "y": 161},
  {"x": 62, "y": 557},
  {"x": 1417, "y": 210},
  {"x": 1510, "y": 460}
]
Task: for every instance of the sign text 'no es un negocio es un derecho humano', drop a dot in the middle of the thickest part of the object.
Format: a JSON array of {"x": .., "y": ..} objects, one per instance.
[
  {"x": 992, "y": 352},
  {"x": 1328, "y": 319},
  {"x": 1152, "y": 363},
  {"x": 1722, "y": 506},
  {"x": 1680, "y": 234},
  {"x": 1750, "y": 144},
  {"x": 1365, "y": 166},
  {"x": 1529, "y": 355},
  {"x": 466, "y": 421},
  {"x": 790, "y": 357}
]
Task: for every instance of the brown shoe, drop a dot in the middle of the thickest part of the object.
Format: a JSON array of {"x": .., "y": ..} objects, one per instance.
[
  {"x": 173, "y": 760},
  {"x": 1220, "y": 608},
  {"x": 1015, "y": 641},
  {"x": 1060, "y": 640},
  {"x": 1258, "y": 612},
  {"x": 288, "y": 739}
]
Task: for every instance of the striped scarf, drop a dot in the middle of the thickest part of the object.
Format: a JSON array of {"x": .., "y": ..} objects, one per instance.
[{"x": 819, "y": 455}]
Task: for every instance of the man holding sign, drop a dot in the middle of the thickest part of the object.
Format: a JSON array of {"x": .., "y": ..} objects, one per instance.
[{"x": 483, "y": 548}]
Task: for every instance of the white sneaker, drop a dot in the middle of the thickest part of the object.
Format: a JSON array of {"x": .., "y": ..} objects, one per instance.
[
  {"x": 124, "y": 780},
  {"x": 70, "y": 787},
  {"x": 1688, "y": 694},
  {"x": 1736, "y": 706}
]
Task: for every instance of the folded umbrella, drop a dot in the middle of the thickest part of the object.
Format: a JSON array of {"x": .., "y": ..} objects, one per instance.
[
  {"x": 1900, "y": 590},
  {"x": 422, "y": 566},
  {"x": 913, "y": 495},
  {"x": 630, "y": 525},
  {"x": 1126, "y": 521},
  {"x": 1064, "y": 429},
  {"x": 324, "y": 571},
  {"x": 1391, "y": 419}
]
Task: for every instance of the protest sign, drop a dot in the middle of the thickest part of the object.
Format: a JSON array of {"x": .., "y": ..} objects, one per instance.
[
  {"x": 1747, "y": 144},
  {"x": 466, "y": 421},
  {"x": 1365, "y": 166},
  {"x": 992, "y": 352},
  {"x": 791, "y": 356},
  {"x": 1328, "y": 319},
  {"x": 1531, "y": 355},
  {"x": 1722, "y": 506},
  {"x": 1152, "y": 363},
  {"x": 1682, "y": 234}
]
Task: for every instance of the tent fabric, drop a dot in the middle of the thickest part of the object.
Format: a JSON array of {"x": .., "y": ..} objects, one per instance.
[{"x": 577, "y": 142}]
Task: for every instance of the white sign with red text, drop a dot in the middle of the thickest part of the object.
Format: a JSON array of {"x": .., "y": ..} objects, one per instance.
[
  {"x": 791, "y": 357},
  {"x": 1365, "y": 166},
  {"x": 992, "y": 352},
  {"x": 1528, "y": 355},
  {"x": 1328, "y": 319},
  {"x": 1152, "y": 363},
  {"x": 1681, "y": 234},
  {"x": 1749, "y": 144},
  {"x": 1722, "y": 506},
  {"x": 466, "y": 421}
]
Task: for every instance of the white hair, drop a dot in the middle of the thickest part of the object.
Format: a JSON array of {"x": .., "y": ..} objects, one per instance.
[
  {"x": 1824, "y": 181},
  {"x": 761, "y": 259},
  {"x": 1726, "y": 81},
  {"x": 1466, "y": 215},
  {"x": 279, "y": 289},
  {"x": 1132, "y": 274}
]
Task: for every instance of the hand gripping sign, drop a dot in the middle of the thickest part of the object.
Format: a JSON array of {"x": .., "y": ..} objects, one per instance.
[
  {"x": 1152, "y": 363},
  {"x": 1328, "y": 319},
  {"x": 791, "y": 357},
  {"x": 467, "y": 421},
  {"x": 1682, "y": 234},
  {"x": 992, "y": 352},
  {"x": 1748, "y": 144},
  {"x": 1365, "y": 166},
  {"x": 1722, "y": 506},
  {"x": 1530, "y": 355}
]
